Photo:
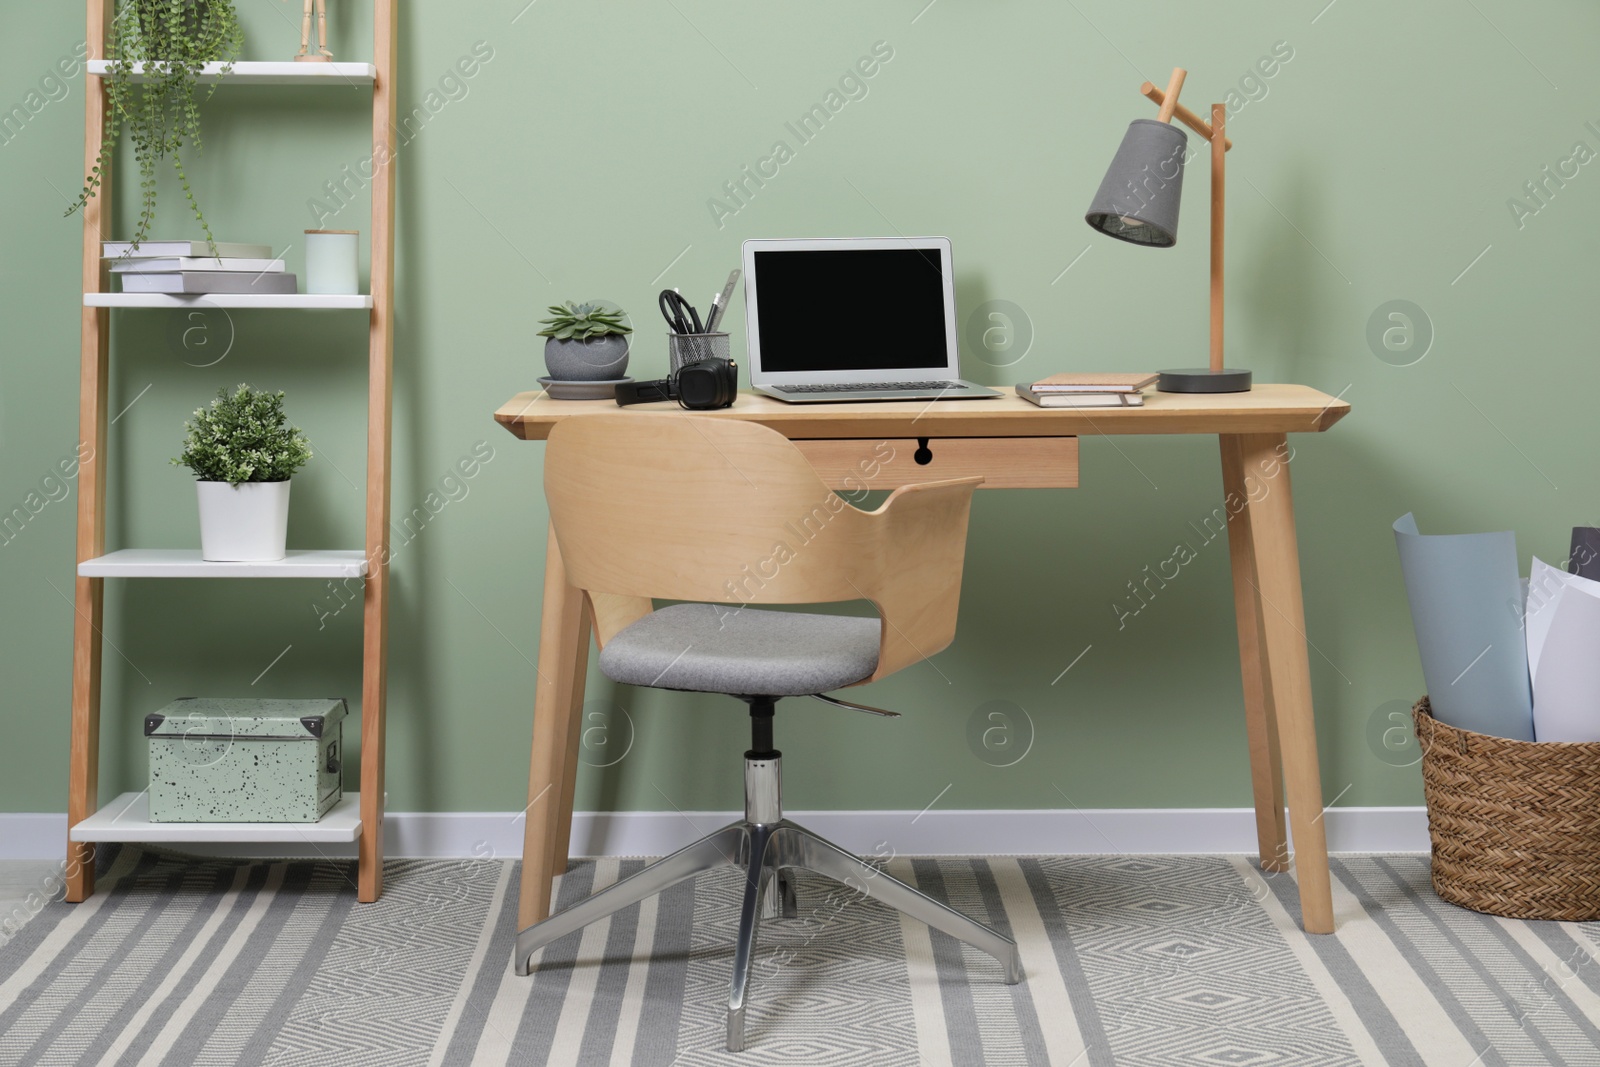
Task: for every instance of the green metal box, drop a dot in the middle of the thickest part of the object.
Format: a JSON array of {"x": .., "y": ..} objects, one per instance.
[{"x": 245, "y": 760}]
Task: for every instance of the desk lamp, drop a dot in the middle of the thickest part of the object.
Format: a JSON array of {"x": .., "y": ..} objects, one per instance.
[{"x": 1138, "y": 203}]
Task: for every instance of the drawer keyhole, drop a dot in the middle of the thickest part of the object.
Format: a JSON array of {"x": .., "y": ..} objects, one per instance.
[{"x": 923, "y": 455}]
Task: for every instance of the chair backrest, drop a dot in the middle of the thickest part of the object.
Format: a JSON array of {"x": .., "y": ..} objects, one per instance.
[{"x": 686, "y": 507}]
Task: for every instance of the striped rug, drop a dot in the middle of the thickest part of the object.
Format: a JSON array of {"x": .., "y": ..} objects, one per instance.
[{"x": 1130, "y": 960}]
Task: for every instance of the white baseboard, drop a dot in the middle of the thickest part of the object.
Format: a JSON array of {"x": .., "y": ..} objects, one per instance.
[
  {"x": 486, "y": 835},
  {"x": 33, "y": 836}
]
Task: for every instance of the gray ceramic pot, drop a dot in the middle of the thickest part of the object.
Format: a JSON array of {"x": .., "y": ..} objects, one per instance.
[{"x": 595, "y": 360}]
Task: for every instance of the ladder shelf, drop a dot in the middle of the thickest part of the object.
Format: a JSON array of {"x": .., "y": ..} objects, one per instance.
[{"x": 359, "y": 816}]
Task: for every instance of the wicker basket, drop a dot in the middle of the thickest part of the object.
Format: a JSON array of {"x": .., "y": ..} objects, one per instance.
[{"x": 1515, "y": 825}]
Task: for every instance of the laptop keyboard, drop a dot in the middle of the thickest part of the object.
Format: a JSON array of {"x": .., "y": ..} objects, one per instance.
[{"x": 873, "y": 387}]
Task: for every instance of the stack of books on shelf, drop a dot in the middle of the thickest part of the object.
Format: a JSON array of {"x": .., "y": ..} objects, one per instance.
[
  {"x": 185, "y": 268},
  {"x": 1087, "y": 390}
]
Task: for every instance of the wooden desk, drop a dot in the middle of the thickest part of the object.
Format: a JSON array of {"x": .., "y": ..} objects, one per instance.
[{"x": 1012, "y": 443}]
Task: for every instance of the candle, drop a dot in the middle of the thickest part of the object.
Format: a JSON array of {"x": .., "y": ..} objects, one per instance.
[{"x": 332, "y": 262}]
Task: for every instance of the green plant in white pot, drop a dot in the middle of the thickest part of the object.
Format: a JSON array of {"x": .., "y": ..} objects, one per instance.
[
  {"x": 587, "y": 343},
  {"x": 243, "y": 452}
]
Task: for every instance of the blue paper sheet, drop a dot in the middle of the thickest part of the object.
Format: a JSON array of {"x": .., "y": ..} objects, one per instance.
[{"x": 1466, "y": 607}]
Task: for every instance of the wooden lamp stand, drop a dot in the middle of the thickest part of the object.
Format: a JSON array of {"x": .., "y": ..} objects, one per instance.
[{"x": 1216, "y": 378}]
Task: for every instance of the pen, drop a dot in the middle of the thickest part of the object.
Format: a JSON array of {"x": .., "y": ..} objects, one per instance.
[{"x": 694, "y": 316}]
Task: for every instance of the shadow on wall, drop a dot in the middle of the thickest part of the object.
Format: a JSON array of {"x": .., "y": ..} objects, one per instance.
[
  {"x": 1360, "y": 481},
  {"x": 411, "y": 625},
  {"x": 1287, "y": 282}
]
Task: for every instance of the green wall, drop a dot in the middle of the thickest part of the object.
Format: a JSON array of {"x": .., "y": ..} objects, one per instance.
[{"x": 1374, "y": 165}]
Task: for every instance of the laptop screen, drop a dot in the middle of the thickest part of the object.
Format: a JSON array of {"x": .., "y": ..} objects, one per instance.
[{"x": 851, "y": 309}]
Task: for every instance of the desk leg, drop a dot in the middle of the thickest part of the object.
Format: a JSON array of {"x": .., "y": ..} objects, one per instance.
[
  {"x": 1260, "y": 720},
  {"x": 1264, "y": 473},
  {"x": 563, "y": 662}
]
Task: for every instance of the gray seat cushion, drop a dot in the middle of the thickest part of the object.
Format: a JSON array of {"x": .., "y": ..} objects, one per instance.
[{"x": 710, "y": 648}]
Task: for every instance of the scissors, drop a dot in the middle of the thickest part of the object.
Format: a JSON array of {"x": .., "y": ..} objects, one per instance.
[{"x": 678, "y": 312}]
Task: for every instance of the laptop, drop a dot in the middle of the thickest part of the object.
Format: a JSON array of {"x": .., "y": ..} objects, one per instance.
[{"x": 853, "y": 319}]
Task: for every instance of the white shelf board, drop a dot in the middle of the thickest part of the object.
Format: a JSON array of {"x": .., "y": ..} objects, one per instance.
[
  {"x": 186, "y": 563},
  {"x": 256, "y": 73},
  {"x": 305, "y": 301},
  {"x": 127, "y": 818}
]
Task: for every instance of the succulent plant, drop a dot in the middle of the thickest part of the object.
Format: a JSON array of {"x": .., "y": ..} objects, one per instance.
[{"x": 580, "y": 322}]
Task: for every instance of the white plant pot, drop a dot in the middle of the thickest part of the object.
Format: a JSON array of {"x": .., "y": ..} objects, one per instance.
[{"x": 244, "y": 523}]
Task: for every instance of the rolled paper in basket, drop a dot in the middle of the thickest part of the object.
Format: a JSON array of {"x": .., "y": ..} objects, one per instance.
[
  {"x": 1584, "y": 558},
  {"x": 1566, "y": 691},
  {"x": 1466, "y": 608},
  {"x": 1563, "y": 628}
]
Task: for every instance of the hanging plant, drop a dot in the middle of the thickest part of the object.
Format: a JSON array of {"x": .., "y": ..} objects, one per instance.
[{"x": 174, "y": 40}]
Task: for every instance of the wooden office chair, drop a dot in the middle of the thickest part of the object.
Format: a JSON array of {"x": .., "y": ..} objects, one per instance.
[{"x": 728, "y": 514}]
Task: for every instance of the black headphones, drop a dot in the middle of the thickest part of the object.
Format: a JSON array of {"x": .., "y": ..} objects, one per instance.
[{"x": 704, "y": 385}]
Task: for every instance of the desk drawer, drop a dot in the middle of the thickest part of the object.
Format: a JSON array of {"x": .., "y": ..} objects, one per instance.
[{"x": 888, "y": 463}]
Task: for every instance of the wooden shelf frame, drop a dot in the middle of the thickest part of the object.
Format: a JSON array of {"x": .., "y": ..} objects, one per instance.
[{"x": 93, "y": 403}]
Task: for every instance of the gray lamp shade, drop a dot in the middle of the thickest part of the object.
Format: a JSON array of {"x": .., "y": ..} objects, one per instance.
[{"x": 1138, "y": 199}]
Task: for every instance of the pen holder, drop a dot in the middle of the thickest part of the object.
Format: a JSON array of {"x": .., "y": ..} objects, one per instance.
[{"x": 692, "y": 347}]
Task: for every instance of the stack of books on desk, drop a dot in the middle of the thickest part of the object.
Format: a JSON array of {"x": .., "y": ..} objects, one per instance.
[
  {"x": 189, "y": 267},
  {"x": 1087, "y": 390}
]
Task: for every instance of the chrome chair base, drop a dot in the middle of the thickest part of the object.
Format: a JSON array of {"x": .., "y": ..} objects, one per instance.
[{"x": 765, "y": 846}]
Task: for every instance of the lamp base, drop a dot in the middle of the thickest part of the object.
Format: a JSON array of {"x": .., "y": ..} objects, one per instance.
[{"x": 1204, "y": 380}]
